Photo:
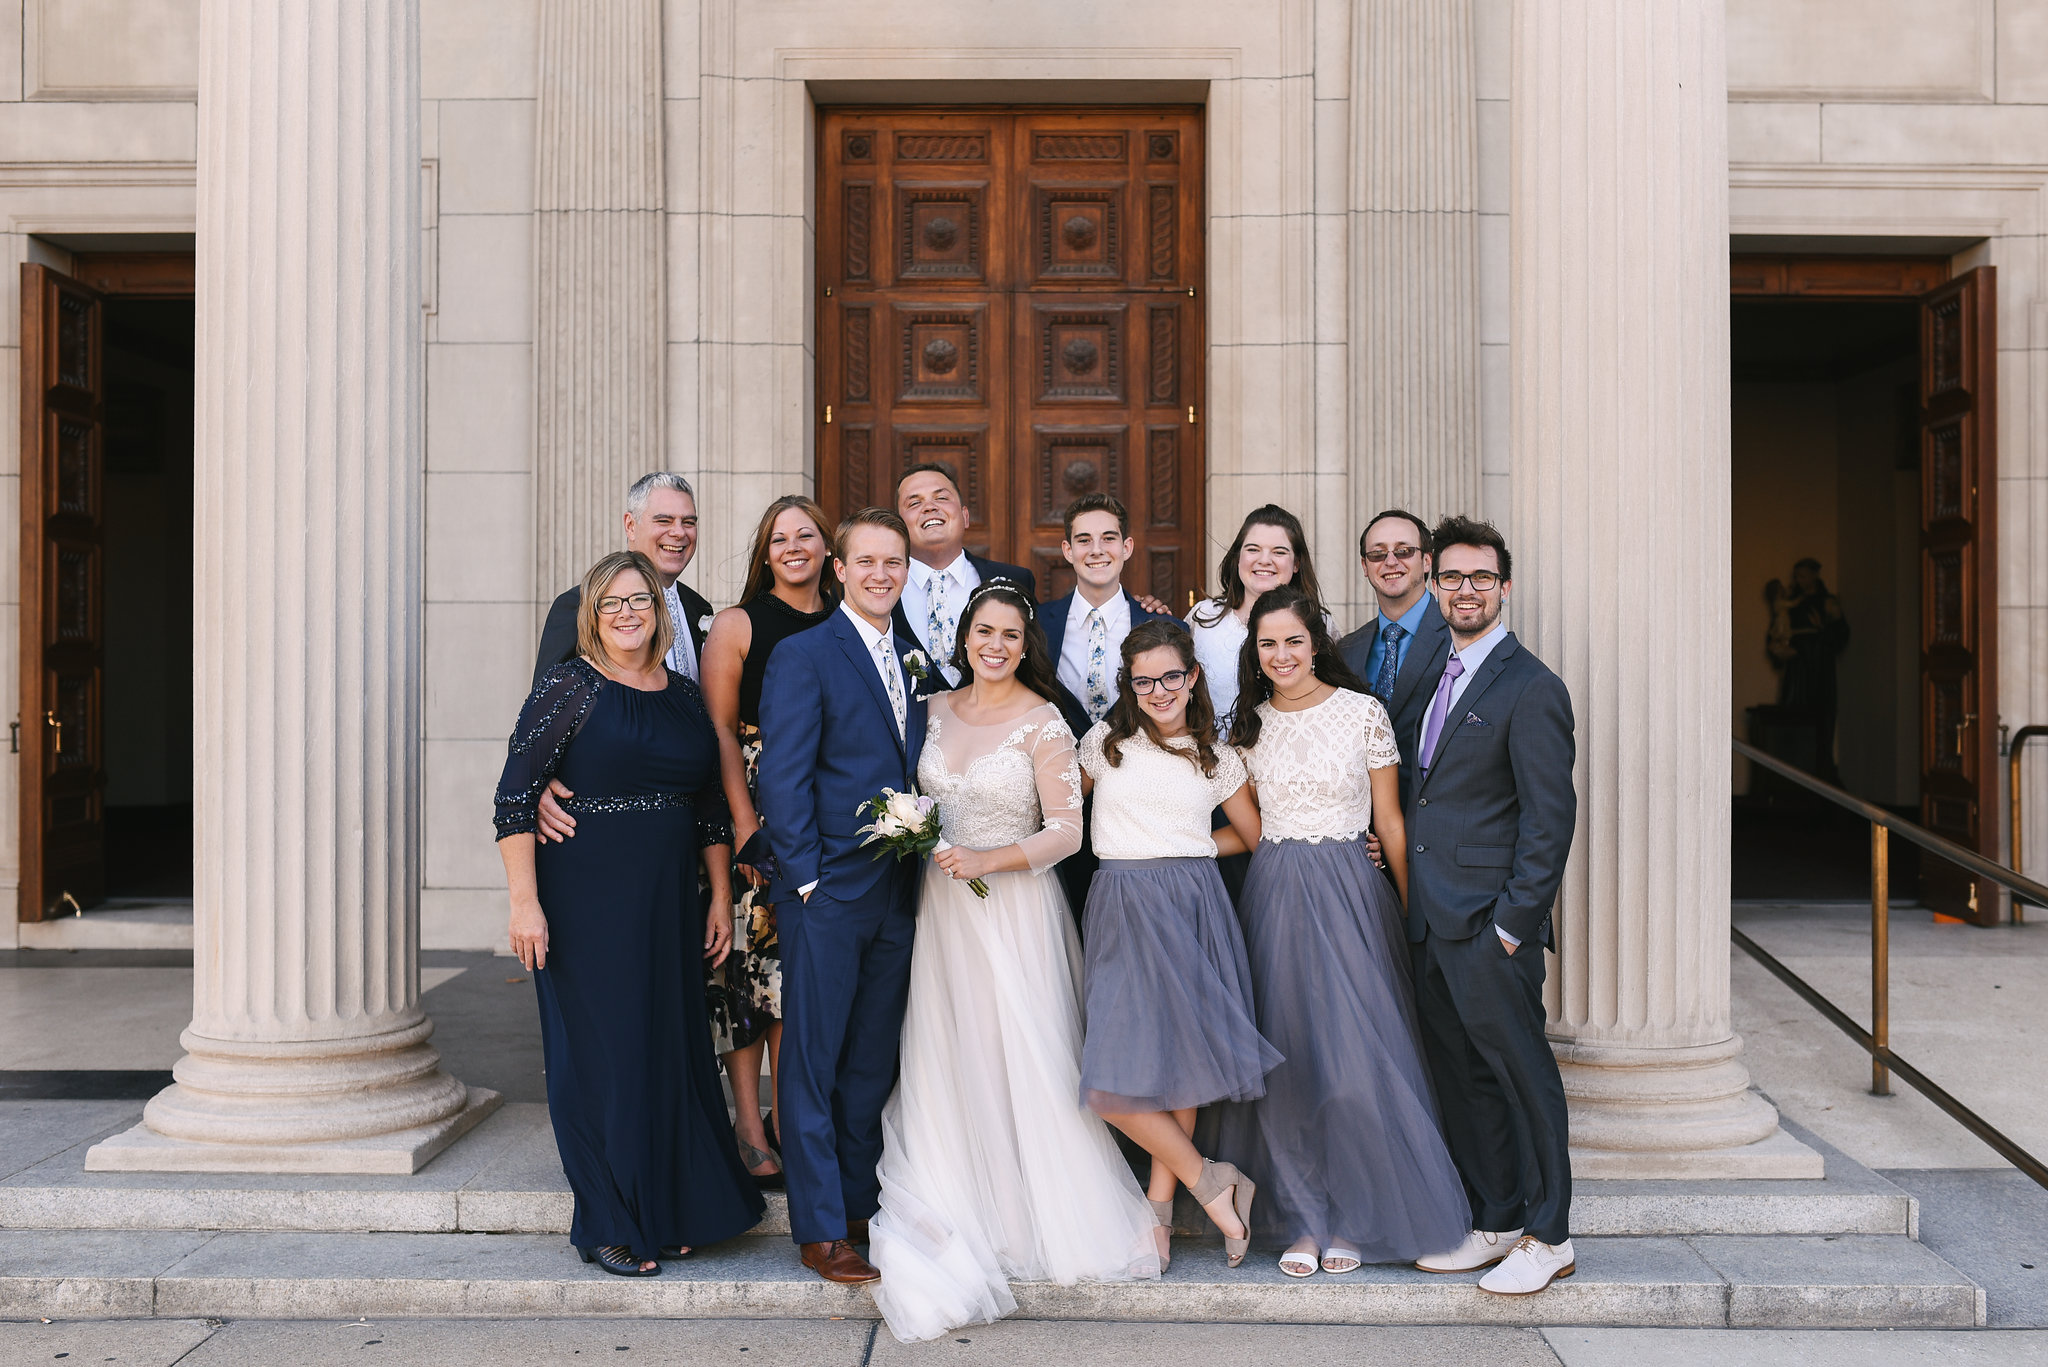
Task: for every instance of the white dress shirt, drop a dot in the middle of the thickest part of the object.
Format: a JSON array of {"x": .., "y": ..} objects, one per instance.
[
  {"x": 917, "y": 604},
  {"x": 682, "y": 656},
  {"x": 1471, "y": 657},
  {"x": 1116, "y": 620},
  {"x": 891, "y": 688}
]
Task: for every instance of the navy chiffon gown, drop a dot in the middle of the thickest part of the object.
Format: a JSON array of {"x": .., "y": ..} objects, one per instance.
[{"x": 633, "y": 1085}]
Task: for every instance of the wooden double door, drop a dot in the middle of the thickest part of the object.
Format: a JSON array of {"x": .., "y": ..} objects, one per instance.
[{"x": 1015, "y": 294}]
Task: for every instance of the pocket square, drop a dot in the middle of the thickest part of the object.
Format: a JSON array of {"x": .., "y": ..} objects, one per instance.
[{"x": 1474, "y": 719}]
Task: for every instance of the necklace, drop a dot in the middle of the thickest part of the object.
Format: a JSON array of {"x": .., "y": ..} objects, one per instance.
[{"x": 1314, "y": 684}]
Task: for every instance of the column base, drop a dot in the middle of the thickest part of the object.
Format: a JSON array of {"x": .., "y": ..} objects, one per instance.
[
  {"x": 401, "y": 1152},
  {"x": 1673, "y": 1114}
]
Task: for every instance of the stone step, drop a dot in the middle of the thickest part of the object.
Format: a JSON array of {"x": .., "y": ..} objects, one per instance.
[
  {"x": 1854, "y": 1281},
  {"x": 504, "y": 1178}
]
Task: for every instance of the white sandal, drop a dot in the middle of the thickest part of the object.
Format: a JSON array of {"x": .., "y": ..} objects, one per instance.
[
  {"x": 1299, "y": 1262},
  {"x": 1338, "y": 1253}
]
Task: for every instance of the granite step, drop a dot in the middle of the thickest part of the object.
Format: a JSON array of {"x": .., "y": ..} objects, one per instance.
[
  {"x": 505, "y": 1178},
  {"x": 1851, "y": 1281}
]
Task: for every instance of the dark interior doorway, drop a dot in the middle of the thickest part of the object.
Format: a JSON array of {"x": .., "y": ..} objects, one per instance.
[
  {"x": 1825, "y": 467},
  {"x": 148, "y": 603}
]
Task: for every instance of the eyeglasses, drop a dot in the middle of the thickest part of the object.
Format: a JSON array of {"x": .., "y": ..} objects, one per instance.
[
  {"x": 639, "y": 602},
  {"x": 1173, "y": 681},
  {"x": 1379, "y": 553},
  {"x": 1482, "y": 580}
]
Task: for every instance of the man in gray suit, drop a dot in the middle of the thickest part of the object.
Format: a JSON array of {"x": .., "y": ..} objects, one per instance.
[
  {"x": 1407, "y": 641},
  {"x": 1489, "y": 826}
]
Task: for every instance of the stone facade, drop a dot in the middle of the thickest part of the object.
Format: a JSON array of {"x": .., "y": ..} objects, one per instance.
[{"x": 1364, "y": 211}]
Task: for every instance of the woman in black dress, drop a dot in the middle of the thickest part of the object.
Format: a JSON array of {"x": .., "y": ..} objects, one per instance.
[
  {"x": 610, "y": 926},
  {"x": 785, "y": 593}
]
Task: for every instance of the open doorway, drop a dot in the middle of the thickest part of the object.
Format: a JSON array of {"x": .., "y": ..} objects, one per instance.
[
  {"x": 1863, "y": 645},
  {"x": 106, "y": 632}
]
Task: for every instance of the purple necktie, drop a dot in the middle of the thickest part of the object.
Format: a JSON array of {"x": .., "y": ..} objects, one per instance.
[{"x": 1433, "y": 729}]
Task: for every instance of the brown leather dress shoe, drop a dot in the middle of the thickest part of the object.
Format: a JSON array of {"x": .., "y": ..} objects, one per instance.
[
  {"x": 837, "y": 1262},
  {"x": 857, "y": 1231}
]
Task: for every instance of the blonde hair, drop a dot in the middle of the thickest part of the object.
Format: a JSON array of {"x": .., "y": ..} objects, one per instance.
[{"x": 596, "y": 580}]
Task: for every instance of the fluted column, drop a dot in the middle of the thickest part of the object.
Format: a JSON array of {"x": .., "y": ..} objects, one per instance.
[
  {"x": 1620, "y": 487},
  {"x": 599, "y": 273},
  {"x": 308, "y": 1046},
  {"x": 1414, "y": 233}
]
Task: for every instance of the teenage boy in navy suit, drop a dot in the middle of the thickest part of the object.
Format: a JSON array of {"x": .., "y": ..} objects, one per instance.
[{"x": 1086, "y": 630}]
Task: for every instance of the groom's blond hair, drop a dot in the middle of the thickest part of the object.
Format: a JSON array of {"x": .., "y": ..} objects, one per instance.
[{"x": 868, "y": 517}]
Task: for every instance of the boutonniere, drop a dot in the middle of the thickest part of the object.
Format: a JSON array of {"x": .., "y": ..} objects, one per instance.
[
  {"x": 916, "y": 666},
  {"x": 704, "y": 623}
]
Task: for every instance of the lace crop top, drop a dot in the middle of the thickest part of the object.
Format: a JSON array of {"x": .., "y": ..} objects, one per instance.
[
  {"x": 1009, "y": 783},
  {"x": 1156, "y": 803},
  {"x": 1313, "y": 767}
]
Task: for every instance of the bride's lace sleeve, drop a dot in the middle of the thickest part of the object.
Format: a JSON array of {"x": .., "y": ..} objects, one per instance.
[
  {"x": 1058, "y": 771},
  {"x": 1381, "y": 749}
]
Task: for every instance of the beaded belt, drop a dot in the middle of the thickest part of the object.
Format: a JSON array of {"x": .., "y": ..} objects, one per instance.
[{"x": 637, "y": 802}]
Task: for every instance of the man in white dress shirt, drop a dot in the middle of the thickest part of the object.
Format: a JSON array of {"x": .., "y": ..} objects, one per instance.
[{"x": 943, "y": 572}]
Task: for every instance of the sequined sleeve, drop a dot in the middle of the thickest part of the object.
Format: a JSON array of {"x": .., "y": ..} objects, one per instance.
[{"x": 547, "y": 723}]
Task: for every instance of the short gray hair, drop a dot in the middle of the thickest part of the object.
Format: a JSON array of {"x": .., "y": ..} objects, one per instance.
[{"x": 644, "y": 487}]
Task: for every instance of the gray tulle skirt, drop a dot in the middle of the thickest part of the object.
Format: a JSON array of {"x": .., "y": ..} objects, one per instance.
[
  {"x": 1345, "y": 1145},
  {"x": 1169, "y": 1000}
]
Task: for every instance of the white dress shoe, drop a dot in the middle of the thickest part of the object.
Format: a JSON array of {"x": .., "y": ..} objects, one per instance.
[
  {"x": 1532, "y": 1266},
  {"x": 1481, "y": 1248}
]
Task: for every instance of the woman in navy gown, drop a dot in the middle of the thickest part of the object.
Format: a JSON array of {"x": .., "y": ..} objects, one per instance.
[{"x": 610, "y": 925}]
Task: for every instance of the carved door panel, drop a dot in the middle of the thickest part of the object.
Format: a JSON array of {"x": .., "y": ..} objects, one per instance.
[
  {"x": 1958, "y": 586},
  {"x": 63, "y": 837},
  {"x": 1011, "y": 293}
]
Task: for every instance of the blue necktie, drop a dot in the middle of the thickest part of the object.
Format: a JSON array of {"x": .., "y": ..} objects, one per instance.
[{"x": 1390, "y": 660}]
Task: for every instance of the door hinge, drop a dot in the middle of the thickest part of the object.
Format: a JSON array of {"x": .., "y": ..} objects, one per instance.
[
  {"x": 1191, "y": 291},
  {"x": 51, "y": 719},
  {"x": 14, "y": 736},
  {"x": 828, "y": 291},
  {"x": 1969, "y": 720},
  {"x": 828, "y": 415},
  {"x": 1191, "y": 413}
]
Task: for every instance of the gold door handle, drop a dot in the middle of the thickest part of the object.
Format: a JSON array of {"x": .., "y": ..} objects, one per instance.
[
  {"x": 828, "y": 415},
  {"x": 58, "y": 727},
  {"x": 1968, "y": 719}
]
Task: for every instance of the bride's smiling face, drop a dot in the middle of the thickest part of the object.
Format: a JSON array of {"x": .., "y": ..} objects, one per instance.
[{"x": 995, "y": 641}]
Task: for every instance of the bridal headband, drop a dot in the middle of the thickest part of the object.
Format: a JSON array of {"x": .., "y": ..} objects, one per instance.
[{"x": 1012, "y": 585}]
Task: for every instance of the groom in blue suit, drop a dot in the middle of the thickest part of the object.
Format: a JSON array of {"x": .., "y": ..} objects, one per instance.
[{"x": 843, "y": 719}]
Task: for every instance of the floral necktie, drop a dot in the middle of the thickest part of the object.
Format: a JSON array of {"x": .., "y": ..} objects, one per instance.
[
  {"x": 939, "y": 624},
  {"x": 892, "y": 681},
  {"x": 1098, "y": 666}
]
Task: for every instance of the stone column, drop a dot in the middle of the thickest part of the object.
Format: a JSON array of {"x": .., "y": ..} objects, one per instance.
[
  {"x": 599, "y": 271},
  {"x": 1414, "y": 234},
  {"x": 308, "y": 1047},
  {"x": 1620, "y": 530}
]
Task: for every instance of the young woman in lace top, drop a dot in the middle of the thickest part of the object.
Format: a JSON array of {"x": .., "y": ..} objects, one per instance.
[
  {"x": 1169, "y": 995},
  {"x": 1345, "y": 1143},
  {"x": 989, "y": 1171}
]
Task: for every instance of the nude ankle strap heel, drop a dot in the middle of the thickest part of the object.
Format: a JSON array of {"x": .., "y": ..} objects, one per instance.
[{"x": 1217, "y": 1179}]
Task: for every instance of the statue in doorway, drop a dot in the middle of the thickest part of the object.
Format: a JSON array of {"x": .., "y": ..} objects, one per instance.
[{"x": 1808, "y": 632}]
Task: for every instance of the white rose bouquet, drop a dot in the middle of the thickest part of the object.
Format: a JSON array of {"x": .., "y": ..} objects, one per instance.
[{"x": 905, "y": 824}]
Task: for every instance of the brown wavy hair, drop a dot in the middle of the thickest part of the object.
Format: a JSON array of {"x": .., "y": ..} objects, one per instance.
[
  {"x": 760, "y": 579},
  {"x": 1126, "y": 719},
  {"x": 1035, "y": 669},
  {"x": 1232, "y": 596},
  {"x": 1253, "y": 687}
]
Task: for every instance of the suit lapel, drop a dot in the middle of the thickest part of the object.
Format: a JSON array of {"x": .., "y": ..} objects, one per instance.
[
  {"x": 1425, "y": 660},
  {"x": 1053, "y": 617},
  {"x": 1496, "y": 661},
  {"x": 864, "y": 664}
]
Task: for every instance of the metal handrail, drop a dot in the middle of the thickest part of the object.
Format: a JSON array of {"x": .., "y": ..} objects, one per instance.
[
  {"x": 2015, "y": 747},
  {"x": 1876, "y": 1041}
]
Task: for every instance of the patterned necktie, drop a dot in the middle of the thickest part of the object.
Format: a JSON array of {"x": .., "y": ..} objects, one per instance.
[
  {"x": 892, "y": 681},
  {"x": 1390, "y": 660},
  {"x": 1098, "y": 665},
  {"x": 682, "y": 656},
  {"x": 1433, "y": 729},
  {"x": 938, "y": 627}
]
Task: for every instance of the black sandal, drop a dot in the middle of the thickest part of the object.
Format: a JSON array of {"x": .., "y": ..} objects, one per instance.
[
  {"x": 618, "y": 1260},
  {"x": 673, "y": 1252}
]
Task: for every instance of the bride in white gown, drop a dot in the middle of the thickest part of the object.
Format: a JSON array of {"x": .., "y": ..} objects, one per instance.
[{"x": 991, "y": 1170}]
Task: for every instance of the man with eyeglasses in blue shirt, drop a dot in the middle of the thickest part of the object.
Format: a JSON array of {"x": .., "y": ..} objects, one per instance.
[{"x": 1406, "y": 642}]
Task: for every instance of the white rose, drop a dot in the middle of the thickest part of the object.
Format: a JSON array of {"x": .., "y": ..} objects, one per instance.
[
  {"x": 704, "y": 623},
  {"x": 889, "y": 825},
  {"x": 903, "y": 810}
]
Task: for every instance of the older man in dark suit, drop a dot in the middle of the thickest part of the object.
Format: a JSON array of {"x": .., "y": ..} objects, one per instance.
[
  {"x": 1406, "y": 641},
  {"x": 1489, "y": 825}
]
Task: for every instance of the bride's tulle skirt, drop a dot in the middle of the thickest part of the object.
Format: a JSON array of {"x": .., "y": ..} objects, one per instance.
[{"x": 991, "y": 1170}]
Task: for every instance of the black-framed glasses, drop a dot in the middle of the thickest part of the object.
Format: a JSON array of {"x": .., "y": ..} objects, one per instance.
[
  {"x": 1401, "y": 553},
  {"x": 1482, "y": 580},
  {"x": 1173, "y": 681},
  {"x": 609, "y": 605}
]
